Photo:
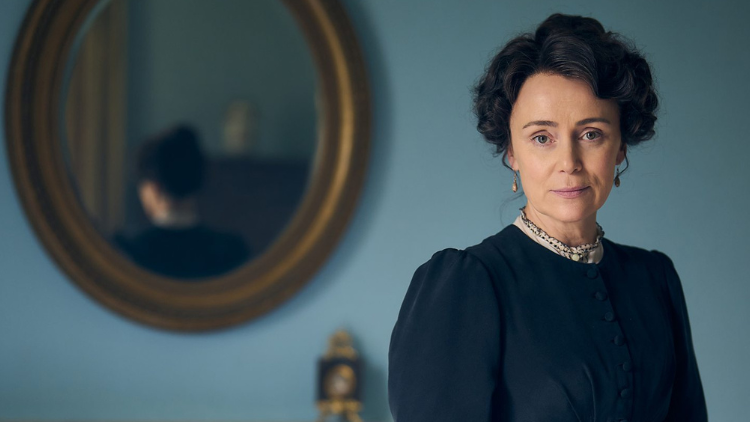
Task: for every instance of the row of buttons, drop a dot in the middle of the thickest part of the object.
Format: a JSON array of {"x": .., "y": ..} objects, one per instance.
[{"x": 618, "y": 339}]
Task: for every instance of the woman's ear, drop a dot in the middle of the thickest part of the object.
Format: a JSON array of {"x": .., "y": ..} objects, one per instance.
[
  {"x": 511, "y": 157},
  {"x": 621, "y": 154}
]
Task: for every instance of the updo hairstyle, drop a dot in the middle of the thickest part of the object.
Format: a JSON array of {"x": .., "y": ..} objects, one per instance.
[
  {"x": 174, "y": 161},
  {"x": 573, "y": 47}
]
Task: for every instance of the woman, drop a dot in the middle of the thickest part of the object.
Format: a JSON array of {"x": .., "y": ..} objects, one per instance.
[
  {"x": 547, "y": 320},
  {"x": 171, "y": 169}
]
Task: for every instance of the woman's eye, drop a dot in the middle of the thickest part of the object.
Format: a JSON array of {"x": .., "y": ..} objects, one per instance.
[
  {"x": 541, "y": 139},
  {"x": 590, "y": 136}
]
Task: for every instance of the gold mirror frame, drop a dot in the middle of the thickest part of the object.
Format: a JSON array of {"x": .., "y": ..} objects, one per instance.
[{"x": 34, "y": 89}]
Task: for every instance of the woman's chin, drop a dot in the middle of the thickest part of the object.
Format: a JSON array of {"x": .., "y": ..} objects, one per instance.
[{"x": 571, "y": 213}]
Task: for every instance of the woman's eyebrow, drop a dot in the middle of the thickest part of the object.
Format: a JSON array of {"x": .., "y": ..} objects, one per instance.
[
  {"x": 540, "y": 123},
  {"x": 593, "y": 120},
  {"x": 553, "y": 124}
]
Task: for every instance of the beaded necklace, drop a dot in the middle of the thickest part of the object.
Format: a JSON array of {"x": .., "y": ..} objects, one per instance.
[{"x": 575, "y": 253}]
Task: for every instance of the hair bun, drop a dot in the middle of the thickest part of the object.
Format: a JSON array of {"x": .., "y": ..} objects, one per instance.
[
  {"x": 559, "y": 24},
  {"x": 573, "y": 47}
]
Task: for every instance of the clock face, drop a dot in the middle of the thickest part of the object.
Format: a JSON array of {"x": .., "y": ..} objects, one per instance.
[{"x": 340, "y": 382}]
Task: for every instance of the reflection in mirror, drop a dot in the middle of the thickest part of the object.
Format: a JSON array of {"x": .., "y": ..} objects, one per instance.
[{"x": 190, "y": 129}]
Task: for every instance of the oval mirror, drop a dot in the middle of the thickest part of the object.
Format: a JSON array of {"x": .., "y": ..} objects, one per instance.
[{"x": 189, "y": 164}]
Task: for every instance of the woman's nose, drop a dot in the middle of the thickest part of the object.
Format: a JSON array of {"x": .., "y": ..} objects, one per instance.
[{"x": 569, "y": 159}]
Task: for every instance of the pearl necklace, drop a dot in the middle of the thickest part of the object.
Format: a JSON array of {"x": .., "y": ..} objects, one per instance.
[{"x": 575, "y": 253}]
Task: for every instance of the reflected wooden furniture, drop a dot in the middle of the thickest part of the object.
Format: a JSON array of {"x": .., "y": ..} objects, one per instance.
[{"x": 234, "y": 186}]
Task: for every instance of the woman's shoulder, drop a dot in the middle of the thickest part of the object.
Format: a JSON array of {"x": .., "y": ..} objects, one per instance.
[
  {"x": 649, "y": 264},
  {"x": 479, "y": 255},
  {"x": 473, "y": 268},
  {"x": 450, "y": 263},
  {"x": 452, "y": 285},
  {"x": 452, "y": 275},
  {"x": 627, "y": 254}
]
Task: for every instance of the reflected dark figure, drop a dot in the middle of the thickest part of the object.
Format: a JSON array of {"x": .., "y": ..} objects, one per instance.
[{"x": 171, "y": 170}]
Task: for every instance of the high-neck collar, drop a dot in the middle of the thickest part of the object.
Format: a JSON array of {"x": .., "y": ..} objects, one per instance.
[
  {"x": 595, "y": 256},
  {"x": 176, "y": 220}
]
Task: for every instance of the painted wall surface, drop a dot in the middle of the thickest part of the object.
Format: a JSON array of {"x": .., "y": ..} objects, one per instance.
[
  {"x": 249, "y": 51},
  {"x": 432, "y": 184}
]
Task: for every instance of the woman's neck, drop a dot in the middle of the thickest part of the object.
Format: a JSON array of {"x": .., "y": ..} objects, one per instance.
[
  {"x": 176, "y": 214},
  {"x": 573, "y": 234}
]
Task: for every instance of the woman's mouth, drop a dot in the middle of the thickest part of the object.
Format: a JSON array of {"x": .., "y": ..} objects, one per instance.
[{"x": 572, "y": 192}]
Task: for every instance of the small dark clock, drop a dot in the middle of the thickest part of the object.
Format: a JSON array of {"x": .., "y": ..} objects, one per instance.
[{"x": 340, "y": 380}]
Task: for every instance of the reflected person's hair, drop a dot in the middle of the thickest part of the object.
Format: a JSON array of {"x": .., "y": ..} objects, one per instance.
[
  {"x": 174, "y": 161},
  {"x": 573, "y": 47}
]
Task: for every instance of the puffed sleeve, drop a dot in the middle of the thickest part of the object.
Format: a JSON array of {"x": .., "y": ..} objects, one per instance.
[
  {"x": 445, "y": 346},
  {"x": 687, "y": 403}
]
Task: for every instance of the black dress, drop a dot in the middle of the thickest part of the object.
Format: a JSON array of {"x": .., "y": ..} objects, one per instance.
[
  {"x": 509, "y": 331},
  {"x": 184, "y": 253}
]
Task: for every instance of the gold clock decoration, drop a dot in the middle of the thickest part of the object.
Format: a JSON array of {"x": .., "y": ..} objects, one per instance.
[{"x": 340, "y": 380}]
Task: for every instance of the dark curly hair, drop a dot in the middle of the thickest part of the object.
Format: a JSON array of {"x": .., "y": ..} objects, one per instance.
[
  {"x": 174, "y": 160},
  {"x": 573, "y": 47}
]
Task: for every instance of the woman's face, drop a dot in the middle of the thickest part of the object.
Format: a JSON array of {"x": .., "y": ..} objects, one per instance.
[{"x": 565, "y": 143}]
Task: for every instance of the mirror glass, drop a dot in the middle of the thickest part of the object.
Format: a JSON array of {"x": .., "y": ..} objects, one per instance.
[{"x": 190, "y": 129}]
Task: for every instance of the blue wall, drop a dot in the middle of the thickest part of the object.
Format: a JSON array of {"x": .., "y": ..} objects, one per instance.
[
  {"x": 242, "y": 45},
  {"x": 432, "y": 184}
]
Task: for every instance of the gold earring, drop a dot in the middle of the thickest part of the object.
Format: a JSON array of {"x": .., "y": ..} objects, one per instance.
[
  {"x": 617, "y": 178},
  {"x": 515, "y": 182}
]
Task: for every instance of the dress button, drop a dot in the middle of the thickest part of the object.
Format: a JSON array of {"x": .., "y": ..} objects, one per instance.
[
  {"x": 592, "y": 272},
  {"x": 601, "y": 296},
  {"x": 619, "y": 340},
  {"x": 627, "y": 366},
  {"x": 625, "y": 393},
  {"x": 609, "y": 316}
]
